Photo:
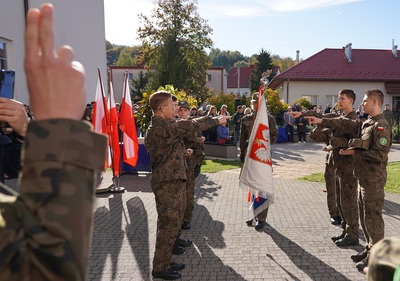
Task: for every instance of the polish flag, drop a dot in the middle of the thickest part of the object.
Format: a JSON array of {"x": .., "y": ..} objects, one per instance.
[
  {"x": 127, "y": 124},
  {"x": 113, "y": 132},
  {"x": 256, "y": 174}
]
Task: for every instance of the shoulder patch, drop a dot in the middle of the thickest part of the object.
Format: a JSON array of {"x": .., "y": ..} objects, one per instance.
[
  {"x": 383, "y": 141},
  {"x": 380, "y": 128}
]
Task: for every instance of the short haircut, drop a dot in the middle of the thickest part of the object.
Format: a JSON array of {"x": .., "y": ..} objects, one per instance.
[
  {"x": 157, "y": 99},
  {"x": 375, "y": 94},
  {"x": 174, "y": 98},
  {"x": 348, "y": 93}
]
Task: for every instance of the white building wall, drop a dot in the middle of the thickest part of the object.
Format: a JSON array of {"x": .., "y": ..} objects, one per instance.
[
  {"x": 299, "y": 89},
  {"x": 79, "y": 24}
]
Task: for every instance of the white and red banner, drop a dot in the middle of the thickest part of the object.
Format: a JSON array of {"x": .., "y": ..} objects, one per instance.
[
  {"x": 128, "y": 127},
  {"x": 113, "y": 133},
  {"x": 256, "y": 175}
]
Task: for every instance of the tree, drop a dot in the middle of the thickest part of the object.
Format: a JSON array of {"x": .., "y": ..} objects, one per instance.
[
  {"x": 139, "y": 86},
  {"x": 283, "y": 63},
  {"x": 174, "y": 39},
  {"x": 125, "y": 58},
  {"x": 226, "y": 59},
  {"x": 264, "y": 63}
]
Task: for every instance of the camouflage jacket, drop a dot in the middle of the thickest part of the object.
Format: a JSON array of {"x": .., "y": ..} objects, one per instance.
[
  {"x": 372, "y": 146},
  {"x": 45, "y": 231},
  {"x": 245, "y": 131},
  {"x": 164, "y": 142}
]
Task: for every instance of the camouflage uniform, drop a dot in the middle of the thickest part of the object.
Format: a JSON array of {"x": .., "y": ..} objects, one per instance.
[
  {"x": 320, "y": 134},
  {"x": 245, "y": 132},
  {"x": 384, "y": 261},
  {"x": 165, "y": 145},
  {"x": 344, "y": 175},
  {"x": 45, "y": 230},
  {"x": 196, "y": 159},
  {"x": 371, "y": 156}
]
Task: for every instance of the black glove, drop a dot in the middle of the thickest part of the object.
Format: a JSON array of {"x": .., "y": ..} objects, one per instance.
[{"x": 196, "y": 170}]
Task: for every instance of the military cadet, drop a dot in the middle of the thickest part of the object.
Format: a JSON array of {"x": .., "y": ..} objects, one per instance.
[
  {"x": 165, "y": 145},
  {"x": 370, "y": 150},
  {"x": 321, "y": 134},
  {"x": 344, "y": 171},
  {"x": 245, "y": 132},
  {"x": 45, "y": 230},
  {"x": 194, "y": 162}
]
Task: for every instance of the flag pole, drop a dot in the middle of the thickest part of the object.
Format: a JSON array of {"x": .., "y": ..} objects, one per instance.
[{"x": 115, "y": 187}]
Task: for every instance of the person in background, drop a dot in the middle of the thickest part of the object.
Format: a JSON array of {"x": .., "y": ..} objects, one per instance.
[
  {"x": 45, "y": 230},
  {"x": 247, "y": 111},
  {"x": 328, "y": 108},
  {"x": 289, "y": 124},
  {"x": 223, "y": 136},
  {"x": 237, "y": 120},
  {"x": 193, "y": 112},
  {"x": 389, "y": 116},
  {"x": 301, "y": 124}
]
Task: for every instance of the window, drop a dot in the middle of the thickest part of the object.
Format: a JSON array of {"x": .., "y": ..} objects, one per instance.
[
  {"x": 312, "y": 99},
  {"x": 208, "y": 77},
  {"x": 130, "y": 76},
  {"x": 332, "y": 100},
  {"x": 3, "y": 55}
]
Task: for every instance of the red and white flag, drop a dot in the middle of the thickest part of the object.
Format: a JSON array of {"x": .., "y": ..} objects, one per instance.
[
  {"x": 256, "y": 174},
  {"x": 128, "y": 127},
  {"x": 100, "y": 117},
  {"x": 113, "y": 132}
]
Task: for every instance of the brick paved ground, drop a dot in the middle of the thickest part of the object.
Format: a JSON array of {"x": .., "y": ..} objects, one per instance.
[{"x": 295, "y": 246}]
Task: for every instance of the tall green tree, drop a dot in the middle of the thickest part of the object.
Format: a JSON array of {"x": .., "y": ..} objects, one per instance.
[
  {"x": 174, "y": 39},
  {"x": 225, "y": 59},
  {"x": 264, "y": 62}
]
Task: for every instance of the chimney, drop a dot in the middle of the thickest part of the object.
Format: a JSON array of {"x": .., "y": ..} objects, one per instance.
[
  {"x": 394, "y": 49},
  {"x": 297, "y": 56},
  {"x": 347, "y": 52}
]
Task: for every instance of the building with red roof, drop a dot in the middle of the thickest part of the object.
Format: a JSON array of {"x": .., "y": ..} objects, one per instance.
[{"x": 323, "y": 75}]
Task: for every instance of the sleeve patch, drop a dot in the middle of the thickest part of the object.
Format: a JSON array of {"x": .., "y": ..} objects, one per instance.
[
  {"x": 380, "y": 128},
  {"x": 383, "y": 141}
]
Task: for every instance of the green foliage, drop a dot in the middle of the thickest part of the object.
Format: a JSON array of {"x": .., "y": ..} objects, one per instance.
[
  {"x": 283, "y": 63},
  {"x": 264, "y": 63},
  {"x": 273, "y": 101},
  {"x": 125, "y": 58},
  {"x": 174, "y": 39},
  {"x": 304, "y": 103},
  {"x": 144, "y": 116},
  {"x": 219, "y": 99},
  {"x": 226, "y": 59}
]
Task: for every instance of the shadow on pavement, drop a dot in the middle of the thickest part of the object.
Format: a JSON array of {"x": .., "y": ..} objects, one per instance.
[
  {"x": 137, "y": 232},
  {"x": 312, "y": 267},
  {"x": 107, "y": 238}
]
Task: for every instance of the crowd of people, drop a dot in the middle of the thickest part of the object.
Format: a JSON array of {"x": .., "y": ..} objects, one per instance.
[{"x": 45, "y": 229}]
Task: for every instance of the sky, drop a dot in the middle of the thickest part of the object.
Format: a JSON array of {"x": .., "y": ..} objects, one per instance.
[{"x": 278, "y": 26}]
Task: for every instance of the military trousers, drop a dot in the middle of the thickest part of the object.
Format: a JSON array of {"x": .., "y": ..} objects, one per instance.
[
  {"x": 190, "y": 184},
  {"x": 347, "y": 203},
  {"x": 170, "y": 197},
  {"x": 371, "y": 207},
  {"x": 330, "y": 184}
]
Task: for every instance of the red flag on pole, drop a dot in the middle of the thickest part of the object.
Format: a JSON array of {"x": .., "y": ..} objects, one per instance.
[
  {"x": 113, "y": 131},
  {"x": 127, "y": 124}
]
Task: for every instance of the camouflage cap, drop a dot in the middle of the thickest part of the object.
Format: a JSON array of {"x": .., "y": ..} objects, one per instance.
[
  {"x": 384, "y": 259},
  {"x": 254, "y": 97},
  {"x": 184, "y": 104}
]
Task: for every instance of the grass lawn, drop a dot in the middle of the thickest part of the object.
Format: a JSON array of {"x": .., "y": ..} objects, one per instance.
[
  {"x": 393, "y": 170},
  {"x": 216, "y": 165}
]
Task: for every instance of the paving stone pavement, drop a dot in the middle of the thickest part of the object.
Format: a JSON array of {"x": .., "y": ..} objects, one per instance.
[{"x": 295, "y": 245}]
